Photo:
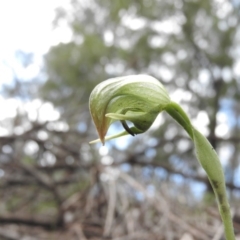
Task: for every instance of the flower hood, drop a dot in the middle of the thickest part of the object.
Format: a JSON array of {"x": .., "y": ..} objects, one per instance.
[{"x": 135, "y": 98}]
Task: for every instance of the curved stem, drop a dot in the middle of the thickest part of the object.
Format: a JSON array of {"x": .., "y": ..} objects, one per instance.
[
  {"x": 210, "y": 162},
  {"x": 174, "y": 110}
]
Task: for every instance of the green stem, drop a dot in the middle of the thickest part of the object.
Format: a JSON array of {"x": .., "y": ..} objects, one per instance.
[
  {"x": 210, "y": 163},
  {"x": 174, "y": 110}
]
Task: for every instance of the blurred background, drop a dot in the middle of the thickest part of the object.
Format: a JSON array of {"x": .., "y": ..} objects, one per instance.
[{"x": 53, "y": 184}]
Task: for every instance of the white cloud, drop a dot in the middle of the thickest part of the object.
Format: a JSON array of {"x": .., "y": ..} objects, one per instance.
[{"x": 27, "y": 24}]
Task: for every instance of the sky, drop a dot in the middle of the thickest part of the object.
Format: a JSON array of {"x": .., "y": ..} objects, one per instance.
[{"x": 27, "y": 25}]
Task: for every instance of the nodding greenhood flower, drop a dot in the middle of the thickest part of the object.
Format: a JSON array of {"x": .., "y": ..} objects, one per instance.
[
  {"x": 139, "y": 99},
  {"x": 136, "y": 98}
]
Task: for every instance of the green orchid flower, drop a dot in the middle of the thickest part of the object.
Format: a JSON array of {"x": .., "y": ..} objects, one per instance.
[{"x": 139, "y": 99}]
